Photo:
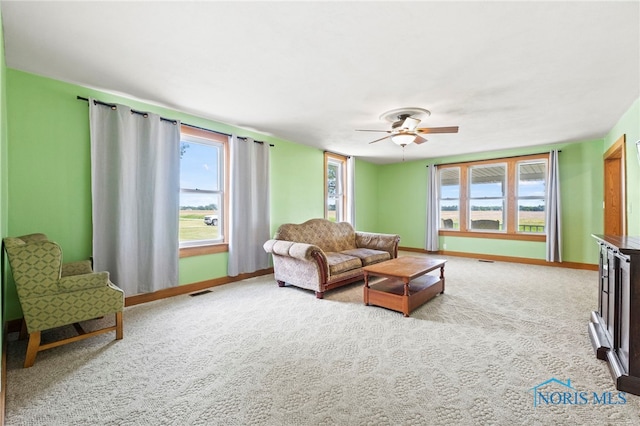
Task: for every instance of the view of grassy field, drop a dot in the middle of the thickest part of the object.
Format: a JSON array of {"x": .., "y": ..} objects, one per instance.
[
  {"x": 192, "y": 226},
  {"x": 530, "y": 221}
]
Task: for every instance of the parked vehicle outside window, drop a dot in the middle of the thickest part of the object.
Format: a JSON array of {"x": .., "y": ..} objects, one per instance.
[{"x": 211, "y": 220}]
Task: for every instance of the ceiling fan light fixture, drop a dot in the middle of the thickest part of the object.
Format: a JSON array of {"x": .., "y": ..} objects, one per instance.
[{"x": 403, "y": 139}]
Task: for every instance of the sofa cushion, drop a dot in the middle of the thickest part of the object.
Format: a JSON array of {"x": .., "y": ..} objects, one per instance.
[
  {"x": 368, "y": 256},
  {"x": 329, "y": 236},
  {"x": 340, "y": 262}
]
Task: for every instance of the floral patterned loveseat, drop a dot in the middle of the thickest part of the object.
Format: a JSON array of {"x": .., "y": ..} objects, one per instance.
[{"x": 320, "y": 255}]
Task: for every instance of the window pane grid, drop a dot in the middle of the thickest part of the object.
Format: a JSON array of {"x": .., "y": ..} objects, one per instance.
[
  {"x": 507, "y": 196},
  {"x": 201, "y": 192},
  {"x": 531, "y": 191},
  {"x": 487, "y": 188},
  {"x": 335, "y": 189},
  {"x": 449, "y": 195}
]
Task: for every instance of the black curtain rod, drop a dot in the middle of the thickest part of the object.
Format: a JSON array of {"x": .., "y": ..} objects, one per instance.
[
  {"x": 206, "y": 130},
  {"x": 491, "y": 159},
  {"x": 133, "y": 111},
  {"x": 113, "y": 106}
]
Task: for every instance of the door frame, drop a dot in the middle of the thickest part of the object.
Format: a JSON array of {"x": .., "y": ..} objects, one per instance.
[{"x": 614, "y": 157}]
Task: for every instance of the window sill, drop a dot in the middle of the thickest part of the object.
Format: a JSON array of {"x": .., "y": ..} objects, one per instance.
[
  {"x": 494, "y": 235},
  {"x": 202, "y": 250}
]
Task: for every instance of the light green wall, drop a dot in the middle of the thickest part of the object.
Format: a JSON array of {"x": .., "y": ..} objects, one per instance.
[
  {"x": 49, "y": 178},
  {"x": 486, "y": 246},
  {"x": 581, "y": 186},
  {"x": 202, "y": 268},
  {"x": 3, "y": 175},
  {"x": 49, "y": 174},
  {"x": 402, "y": 200},
  {"x": 403, "y": 188},
  {"x": 366, "y": 196},
  {"x": 297, "y": 188},
  {"x": 3, "y": 137},
  {"x": 629, "y": 125}
]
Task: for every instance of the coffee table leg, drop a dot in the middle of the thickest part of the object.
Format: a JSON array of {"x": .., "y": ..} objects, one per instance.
[
  {"x": 442, "y": 277},
  {"x": 405, "y": 299},
  {"x": 366, "y": 288}
]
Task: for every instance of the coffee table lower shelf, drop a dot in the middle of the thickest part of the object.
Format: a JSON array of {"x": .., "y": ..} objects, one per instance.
[{"x": 389, "y": 293}]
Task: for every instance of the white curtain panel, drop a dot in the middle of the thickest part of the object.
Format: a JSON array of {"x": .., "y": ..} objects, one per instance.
[
  {"x": 135, "y": 172},
  {"x": 351, "y": 191},
  {"x": 433, "y": 241},
  {"x": 249, "y": 222},
  {"x": 554, "y": 226}
]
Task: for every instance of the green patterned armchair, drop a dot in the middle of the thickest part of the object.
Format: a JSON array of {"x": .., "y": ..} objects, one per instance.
[{"x": 53, "y": 294}]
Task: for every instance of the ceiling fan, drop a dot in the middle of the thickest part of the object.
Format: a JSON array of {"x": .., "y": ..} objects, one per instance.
[{"x": 404, "y": 127}]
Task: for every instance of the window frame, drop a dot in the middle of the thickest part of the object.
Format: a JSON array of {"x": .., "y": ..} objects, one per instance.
[
  {"x": 473, "y": 200},
  {"x": 222, "y": 245},
  {"x": 511, "y": 211},
  {"x": 441, "y": 198},
  {"x": 341, "y": 160},
  {"x": 519, "y": 197}
]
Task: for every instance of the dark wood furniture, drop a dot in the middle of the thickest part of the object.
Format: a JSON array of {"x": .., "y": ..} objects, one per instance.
[
  {"x": 614, "y": 329},
  {"x": 406, "y": 285}
]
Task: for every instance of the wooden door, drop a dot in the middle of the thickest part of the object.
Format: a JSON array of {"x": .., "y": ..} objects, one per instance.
[{"x": 614, "y": 189}]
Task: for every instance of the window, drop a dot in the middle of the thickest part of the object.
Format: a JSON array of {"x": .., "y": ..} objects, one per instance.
[
  {"x": 450, "y": 198},
  {"x": 503, "y": 197},
  {"x": 335, "y": 177},
  {"x": 202, "y": 187},
  {"x": 532, "y": 188},
  {"x": 487, "y": 192}
]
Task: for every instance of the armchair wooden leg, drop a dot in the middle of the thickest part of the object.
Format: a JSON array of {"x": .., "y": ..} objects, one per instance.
[
  {"x": 119, "y": 332},
  {"x": 32, "y": 349}
]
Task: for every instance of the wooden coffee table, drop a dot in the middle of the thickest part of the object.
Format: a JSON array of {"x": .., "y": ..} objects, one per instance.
[{"x": 406, "y": 285}]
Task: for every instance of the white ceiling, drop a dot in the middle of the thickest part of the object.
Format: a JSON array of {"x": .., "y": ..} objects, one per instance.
[{"x": 509, "y": 74}]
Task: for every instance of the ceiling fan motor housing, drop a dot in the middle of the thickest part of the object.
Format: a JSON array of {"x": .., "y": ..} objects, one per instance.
[{"x": 400, "y": 121}]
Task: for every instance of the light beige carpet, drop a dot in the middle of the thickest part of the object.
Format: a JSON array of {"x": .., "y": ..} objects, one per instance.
[{"x": 252, "y": 353}]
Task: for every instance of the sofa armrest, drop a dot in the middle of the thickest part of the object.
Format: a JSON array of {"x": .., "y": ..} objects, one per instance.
[
  {"x": 385, "y": 242},
  {"x": 300, "y": 251},
  {"x": 84, "y": 281}
]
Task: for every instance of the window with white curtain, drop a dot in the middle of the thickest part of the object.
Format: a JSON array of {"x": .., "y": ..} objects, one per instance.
[{"x": 203, "y": 182}]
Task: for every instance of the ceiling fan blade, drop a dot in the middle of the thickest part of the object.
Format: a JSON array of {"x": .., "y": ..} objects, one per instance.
[
  {"x": 419, "y": 139},
  {"x": 367, "y": 130},
  {"x": 378, "y": 140},
  {"x": 452, "y": 129}
]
